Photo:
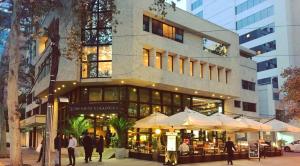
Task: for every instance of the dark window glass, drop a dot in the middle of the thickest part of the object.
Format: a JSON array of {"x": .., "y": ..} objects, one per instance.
[
  {"x": 167, "y": 31},
  {"x": 111, "y": 94},
  {"x": 156, "y": 97},
  {"x": 132, "y": 110},
  {"x": 251, "y": 107},
  {"x": 263, "y": 48},
  {"x": 196, "y": 4},
  {"x": 248, "y": 85},
  {"x": 132, "y": 94},
  {"x": 264, "y": 81},
  {"x": 84, "y": 95},
  {"x": 167, "y": 99},
  {"x": 186, "y": 101},
  {"x": 95, "y": 94},
  {"x": 144, "y": 95},
  {"x": 275, "y": 82},
  {"x": 267, "y": 65},
  {"x": 179, "y": 35},
  {"x": 260, "y": 32},
  {"x": 237, "y": 103},
  {"x": 157, "y": 27},
  {"x": 156, "y": 108},
  {"x": 146, "y": 23},
  {"x": 144, "y": 110},
  {"x": 177, "y": 100},
  {"x": 275, "y": 96}
]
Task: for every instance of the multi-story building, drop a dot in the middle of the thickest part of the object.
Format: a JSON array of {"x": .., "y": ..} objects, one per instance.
[
  {"x": 148, "y": 64},
  {"x": 268, "y": 27}
]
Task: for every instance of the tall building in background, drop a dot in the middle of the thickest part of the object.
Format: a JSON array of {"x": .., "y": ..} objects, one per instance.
[{"x": 271, "y": 29}]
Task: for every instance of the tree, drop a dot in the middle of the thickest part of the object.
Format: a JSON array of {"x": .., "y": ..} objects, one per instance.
[
  {"x": 291, "y": 90},
  {"x": 121, "y": 126},
  {"x": 77, "y": 126}
]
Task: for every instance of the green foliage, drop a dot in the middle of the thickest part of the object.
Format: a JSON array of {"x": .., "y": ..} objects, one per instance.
[
  {"x": 77, "y": 126},
  {"x": 121, "y": 126}
]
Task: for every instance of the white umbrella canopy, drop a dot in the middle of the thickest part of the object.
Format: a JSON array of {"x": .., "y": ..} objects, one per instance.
[
  {"x": 282, "y": 127},
  {"x": 254, "y": 125},
  {"x": 152, "y": 121},
  {"x": 189, "y": 119},
  {"x": 228, "y": 123}
]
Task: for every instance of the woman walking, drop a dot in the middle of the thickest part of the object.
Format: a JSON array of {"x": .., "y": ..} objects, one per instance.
[{"x": 100, "y": 147}]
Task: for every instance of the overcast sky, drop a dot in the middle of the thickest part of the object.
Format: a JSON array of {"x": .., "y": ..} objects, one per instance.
[{"x": 181, "y": 3}]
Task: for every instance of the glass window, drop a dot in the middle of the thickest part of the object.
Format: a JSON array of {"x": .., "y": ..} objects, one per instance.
[
  {"x": 170, "y": 63},
  {"x": 158, "y": 59},
  {"x": 181, "y": 65},
  {"x": 132, "y": 110},
  {"x": 196, "y": 4},
  {"x": 95, "y": 94},
  {"x": 248, "y": 85},
  {"x": 156, "y": 97},
  {"x": 179, "y": 35},
  {"x": 157, "y": 27},
  {"x": 260, "y": 32},
  {"x": 264, "y": 81},
  {"x": 210, "y": 72},
  {"x": 156, "y": 108},
  {"x": 275, "y": 82},
  {"x": 132, "y": 94},
  {"x": 111, "y": 94},
  {"x": 237, "y": 103},
  {"x": 251, "y": 107},
  {"x": 84, "y": 95},
  {"x": 167, "y": 110},
  {"x": 144, "y": 95},
  {"x": 177, "y": 100},
  {"x": 167, "y": 99},
  {"x": 186, "y": 101},
  {"x": 146, "y": 57},
  {"x": 146, "y": 23},
  {"x": 168, "y": 31},
  {"x": 105, "y": 69},
  {"x": 227, "y": 72},
  {"x": 144, "y": 110},
  {"x": 201, "y": 70},
  {"x": 191, "y": 68},
  {"x": 267, "y": 65},
  {"x": 219, "y": 74},
  {"x": 264, "y": 48}
]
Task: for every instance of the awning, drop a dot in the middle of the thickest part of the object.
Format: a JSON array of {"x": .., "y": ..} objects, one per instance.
[
  {"x": 228, "y": 123},
  {"x": 33, "y": 121},
  {"x": 253, "y": 125},
  {"x": 282, "y": 126},
  {"x": 152, "y": 121}
]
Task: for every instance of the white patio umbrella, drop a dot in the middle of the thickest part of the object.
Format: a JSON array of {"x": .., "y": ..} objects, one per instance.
[
  {"x": 282, "y": 127},
  {"x": 152, "y": 121},
  {"x": 189, "y": 119},
  {"x": 253, "y": 125},
  {"x": 228, "y": 123}
]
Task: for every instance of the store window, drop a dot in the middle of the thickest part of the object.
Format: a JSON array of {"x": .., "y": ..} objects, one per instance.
[
  {"x": 111, "y": 94},
  {"x": 144, "y": 110},
  {"x": 132, "y": 110},
  {"x": 167, "y": 98},
  {"x": 132, "y": 94},
  {"x": 156, "y": 97},
  {"x": 170, "y": 63},
  {"x": 95, "y": 94},
  {"x": 144, "y": 95},
  {"x": 181, "y": 65},
  {"x": 177, "y": 100},
  {"x": 146, "y": 57},
  {"x": 158, "y": 60}
]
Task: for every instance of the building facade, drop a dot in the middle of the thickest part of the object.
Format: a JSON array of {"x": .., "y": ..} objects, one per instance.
[
  {"x": 147, "y": 64},
  {"x": 268, "y": 27}
]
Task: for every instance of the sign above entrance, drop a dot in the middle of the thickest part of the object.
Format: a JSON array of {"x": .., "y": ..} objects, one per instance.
[{"x": 95, "y": 108}]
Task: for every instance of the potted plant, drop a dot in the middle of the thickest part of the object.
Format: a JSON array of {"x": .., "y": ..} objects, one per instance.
[{"x": 121, "y": 127}]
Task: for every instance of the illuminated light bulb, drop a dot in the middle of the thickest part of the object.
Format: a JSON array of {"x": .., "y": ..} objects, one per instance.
[{"x": 157, "y": 131}]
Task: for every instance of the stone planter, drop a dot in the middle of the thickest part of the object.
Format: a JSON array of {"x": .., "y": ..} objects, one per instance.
[{"x": 121, "y": 153}]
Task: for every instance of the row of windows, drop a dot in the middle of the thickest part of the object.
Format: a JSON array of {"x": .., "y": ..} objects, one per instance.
[
  {"x": 264, "y": 48},
  {"x": 162, "y": 29},
  {"x": 269, "y": 80},
  {"x": 182, "y": 62},
  {"x": 248, "y": 85},
  {"x": 267, "y": 12},
  {"x": 247, "y": 5},
  {"x": 196, "y": 4},
  {"x": 260, "y": 32},
  {"x": 267, "y": 65},
  {"x": 251, "y": 107}
]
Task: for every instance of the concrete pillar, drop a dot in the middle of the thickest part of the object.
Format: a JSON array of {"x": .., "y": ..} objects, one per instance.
[
  {"x": 221, "y": 74},
  {"x": 176, "y": 64},
  {"x": 186, "y": 70},
  {"x": 152, "y": 57},
  {"x": 165, "y": 60},
  {"x": 55, "y": 123},
  {"x": 196, "y": 69},
  {"x": 205, "y": 71}
]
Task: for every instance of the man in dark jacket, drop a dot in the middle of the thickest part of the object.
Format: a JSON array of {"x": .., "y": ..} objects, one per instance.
[
  {"x": 57, "y": 147},
  {"x": 100, "y": 147},
  {"x": 229, "y": 146},
  {"x": 87, "y": 143}
]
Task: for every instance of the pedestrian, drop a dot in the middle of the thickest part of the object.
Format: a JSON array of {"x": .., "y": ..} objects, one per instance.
[
  {"x": 100, "y": 147},
  {"x": 229, "y": 147},
  {"x": 57, "y": 147},
  {"x": 41, "y": 150},
  {"x": 71, "y": 149},
  {"x": 108, "y": 138},
  {"x": 87, "y": 143}
]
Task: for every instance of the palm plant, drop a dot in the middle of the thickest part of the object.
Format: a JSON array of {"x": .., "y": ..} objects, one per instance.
[
  {"x": 121, "y": 126},
  {"x": 77, "y": 126}
]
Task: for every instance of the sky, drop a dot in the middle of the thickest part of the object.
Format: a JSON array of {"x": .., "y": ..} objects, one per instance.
[{"x": 181, "y": 4}]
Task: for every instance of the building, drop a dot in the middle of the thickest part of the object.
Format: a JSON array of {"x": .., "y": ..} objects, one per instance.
[
  {"x": 268, "y": 27},
  {"x": 149, "y": 64}
]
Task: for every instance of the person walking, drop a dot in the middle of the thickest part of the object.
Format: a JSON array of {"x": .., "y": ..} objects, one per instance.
[
  {"x": 57, "y": 147},
  {"x": 100, "y": 147},
  {"x": 41, "y": 151},
  {"x": 71, "y": 150},
  {"x": 87, "y": 143},
  {"x": 229, "y": 147}
]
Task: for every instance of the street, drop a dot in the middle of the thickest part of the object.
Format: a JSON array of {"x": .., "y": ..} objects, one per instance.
[{"x": 289, "y": 159}]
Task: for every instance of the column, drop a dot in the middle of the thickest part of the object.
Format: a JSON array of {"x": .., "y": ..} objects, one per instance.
[
  {"x": 205, "y": 71},
  {"x": 186, "y": 67},
  {"x": 165, "y": 60},
  {"x": 55, "y": 123},
  {"x": 152, "y": 57},
  {"x": 196, "y": 69},
  {"x": 176, "y": 64}
]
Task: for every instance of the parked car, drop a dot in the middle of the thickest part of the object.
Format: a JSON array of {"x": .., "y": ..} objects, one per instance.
[{"x": 293, "y": 147}]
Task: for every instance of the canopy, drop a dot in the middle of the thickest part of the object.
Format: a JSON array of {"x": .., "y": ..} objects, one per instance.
[
  {"x": 152, "y": 121},
  {"x": 254, "y": 125},
  {"x": 228, "y": 123},
  {"x": 282, "y": 127},
  {"x": 189, "y": 119}
]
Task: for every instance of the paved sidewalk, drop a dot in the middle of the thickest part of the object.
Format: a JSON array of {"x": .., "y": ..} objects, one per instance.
[{"x": 289, "y": 159}]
